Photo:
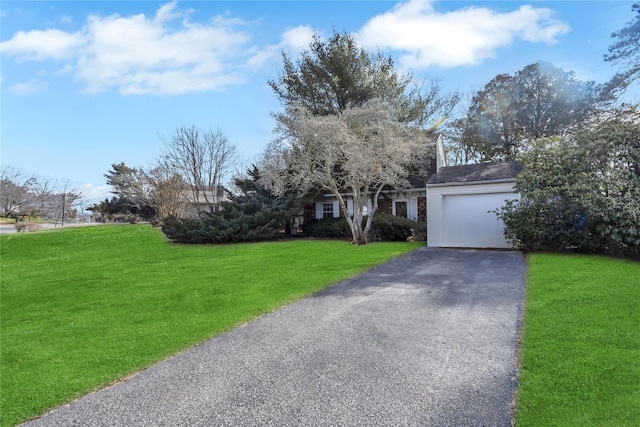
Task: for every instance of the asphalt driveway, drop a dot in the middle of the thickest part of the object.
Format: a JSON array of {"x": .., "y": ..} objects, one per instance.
[{"x": 428, "y": 339}]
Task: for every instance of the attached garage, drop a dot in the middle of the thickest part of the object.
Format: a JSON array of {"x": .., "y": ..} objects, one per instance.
[{"x": 461, "y": 201}]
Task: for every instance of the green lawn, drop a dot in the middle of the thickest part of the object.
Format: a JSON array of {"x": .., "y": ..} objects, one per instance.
[
  {"x": 580, "y": 360},
  {"x": 82, "y": 307}
]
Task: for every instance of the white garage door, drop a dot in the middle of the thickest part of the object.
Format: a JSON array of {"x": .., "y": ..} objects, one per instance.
[{"x": 467, "y": 220}]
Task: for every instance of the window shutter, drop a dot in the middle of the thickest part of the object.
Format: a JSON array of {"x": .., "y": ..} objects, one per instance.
[{"x": 413, "y": 208}]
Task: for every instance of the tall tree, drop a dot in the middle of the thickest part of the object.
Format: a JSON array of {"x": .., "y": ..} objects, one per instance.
[
  {"x": 126, "y": 183},
  {"x": 358, "y": 152},
  {"x": 540, "y": 100},
  {"x": 353, "y": 122},
  {"x": 202, "y": 160},
  {"x": 491, "y": 129},
  {"x": 625, "y": 51},
  {"x": 165, "y": 189},
  {"x": 334, "y": 75}
]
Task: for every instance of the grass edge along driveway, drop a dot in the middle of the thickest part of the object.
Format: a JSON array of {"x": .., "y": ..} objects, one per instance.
[
  {"x": 83, "y": 307},
  {"x": 580, "y": 354}
]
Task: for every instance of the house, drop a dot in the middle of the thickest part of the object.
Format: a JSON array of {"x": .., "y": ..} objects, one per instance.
[
  {"x": 458, "y": 202},
  {"x": 204, "y": 201},
  {"x": 462, "y": 201},
  {"x": 410, "y": 203}
]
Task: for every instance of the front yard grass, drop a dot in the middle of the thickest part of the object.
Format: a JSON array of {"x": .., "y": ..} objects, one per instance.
[
  {"x": 83, "y": 307},
  {"x": 580, "y": 358}
]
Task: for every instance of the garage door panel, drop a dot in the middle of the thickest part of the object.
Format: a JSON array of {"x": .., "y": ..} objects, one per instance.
[{"x": 468, "y": 220}]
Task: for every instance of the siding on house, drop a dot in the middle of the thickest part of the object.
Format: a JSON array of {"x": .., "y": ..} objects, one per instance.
[
  {"x": 392, "y": 204},
  {"x": 205, "y": 201}
]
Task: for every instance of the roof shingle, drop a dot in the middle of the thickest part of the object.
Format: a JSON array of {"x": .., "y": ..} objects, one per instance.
[{"x": 478, "y": 172}]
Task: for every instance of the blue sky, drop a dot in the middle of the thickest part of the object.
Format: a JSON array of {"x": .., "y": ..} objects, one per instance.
[{"x": 89, "y": 83}]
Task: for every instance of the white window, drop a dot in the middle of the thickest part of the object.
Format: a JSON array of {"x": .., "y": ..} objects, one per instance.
[
  {"x": 401, "y": 209},
  {"x": 327, "y": 210}
]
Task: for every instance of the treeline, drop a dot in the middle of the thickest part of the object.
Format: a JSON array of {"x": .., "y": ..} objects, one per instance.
[{"x": 26, "y": 197}]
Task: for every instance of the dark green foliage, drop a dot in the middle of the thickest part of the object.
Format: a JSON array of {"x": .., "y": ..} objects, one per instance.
[
  {"x": 335, "y": 75},
  {"x": 217, "y": 228},
  {"x": 581, "y": 193},
  {"x": 183, "y": 230},
  {"x": 384, "y": 227},
  {"x": 253, "y": 215},
  {"x": 389, "y": 228},
  {"x": 125, "y": 181},
  {"x": 119, "y": 209},
  {"x": 129, "y": 203},
  {"x": 328, "y": 228},
  {"x": 538, "y": 101}
]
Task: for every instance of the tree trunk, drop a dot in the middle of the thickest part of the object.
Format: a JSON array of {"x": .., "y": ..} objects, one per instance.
[{"x": 360, "y": 239}]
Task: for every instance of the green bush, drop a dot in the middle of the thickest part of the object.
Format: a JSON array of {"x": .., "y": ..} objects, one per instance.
[
  {"x": 251, "y": 216},
  {"x": 183, "y": 230},
  {"x": 384, "y": 227},
  {"x": 580, "y": 193},
  {"x": 215, "y": 228},
  {"x": 335, "y": 228},
  {"x": 389, "y": 228}
]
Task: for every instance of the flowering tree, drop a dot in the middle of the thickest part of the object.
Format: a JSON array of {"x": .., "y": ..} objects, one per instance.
[{"x": 357, "y": 152}]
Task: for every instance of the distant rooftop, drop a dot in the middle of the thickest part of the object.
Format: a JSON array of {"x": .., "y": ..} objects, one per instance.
[{"x": 478, "y": 172}]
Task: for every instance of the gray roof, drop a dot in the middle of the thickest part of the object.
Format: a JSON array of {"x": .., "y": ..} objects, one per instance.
[{"x": 480, "y": 172}]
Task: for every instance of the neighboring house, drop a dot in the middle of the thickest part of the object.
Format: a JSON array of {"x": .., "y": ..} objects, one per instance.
[
  {"x": 409, "y": 203},
  {"x": 205, "y": 201},
  {"x": 462, "y": 201}
]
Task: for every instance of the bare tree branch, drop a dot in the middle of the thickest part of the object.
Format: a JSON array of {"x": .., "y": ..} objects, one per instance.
[{"x": 202, "y": 160}]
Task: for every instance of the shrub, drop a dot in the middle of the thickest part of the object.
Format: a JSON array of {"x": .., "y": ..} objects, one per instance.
[
  {"x": 216, "y": 228},
  {"x": 580, "y": 193},
  {"x": 252, "y": 215},
  {"x": 183, "y": 230},
  {"x": 391, "y": 228},
  {"x": 384, "y": 227},
  {"x": 327, "y": 228}
]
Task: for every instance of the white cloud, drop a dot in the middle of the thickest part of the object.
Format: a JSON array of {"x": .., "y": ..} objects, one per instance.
[
  {"x": 38, "y": 45},
  {"x": 160, "y": 60},
  {"x": 167, "y": 12},
  {"x": 164, "y": 54},
  {"x": 294, "y": 39},
  {"x": 297, "y": 38},
  {"x": 32, "y": 86},
  {"x": 95, "y": 193},
  {"x": 462, "y": 37}
]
